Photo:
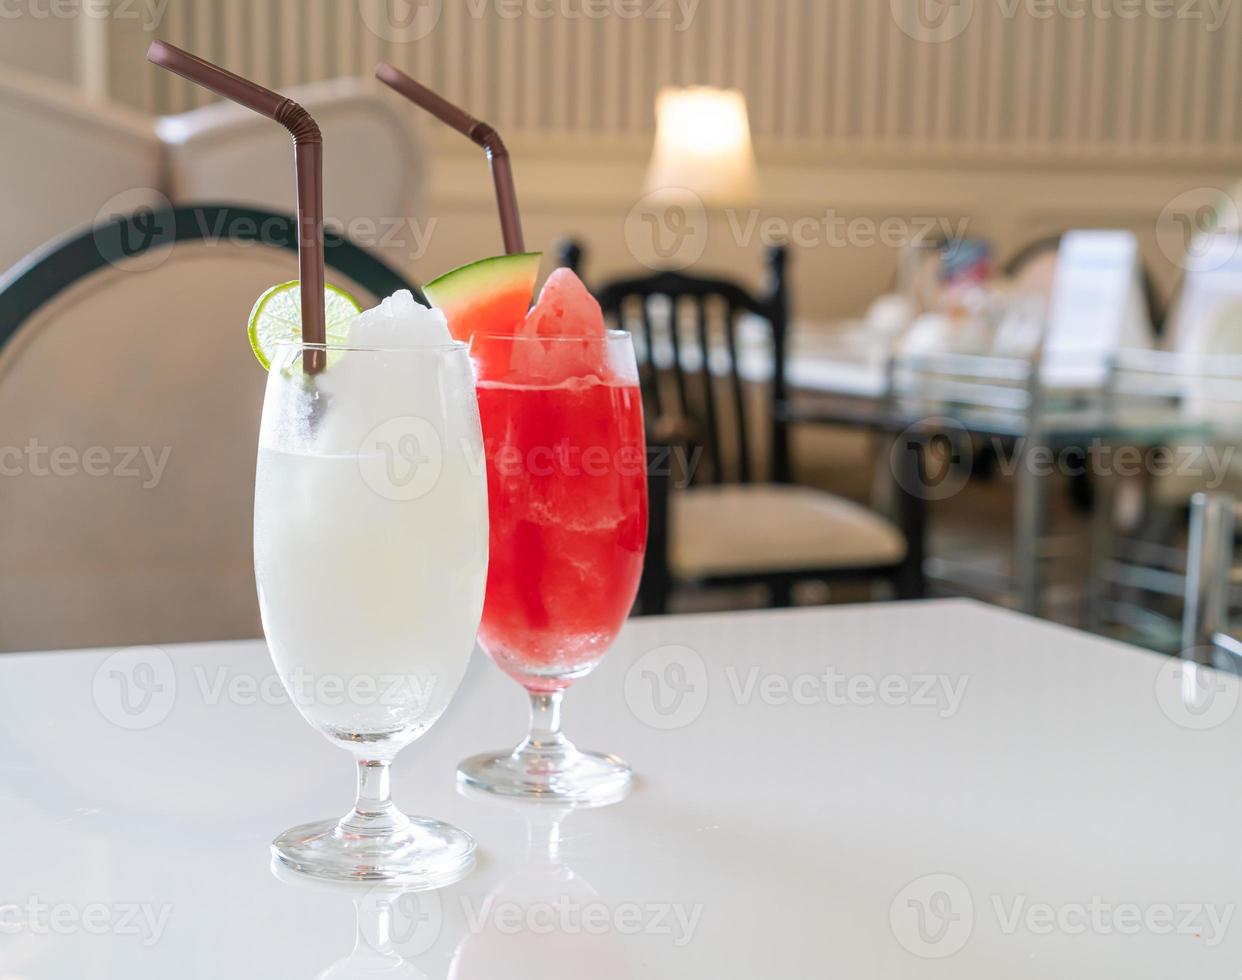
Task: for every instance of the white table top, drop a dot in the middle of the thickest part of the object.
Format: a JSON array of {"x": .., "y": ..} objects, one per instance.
[{"x": 1043, "y": 799}]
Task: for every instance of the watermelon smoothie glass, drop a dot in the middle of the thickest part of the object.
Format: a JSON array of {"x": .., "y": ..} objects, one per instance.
[{"x": 567, "y": 498}]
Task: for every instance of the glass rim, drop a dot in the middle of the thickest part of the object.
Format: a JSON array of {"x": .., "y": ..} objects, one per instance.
[
  {"x": 452, "y": 345},
  {"x": 608, "y": 335}
]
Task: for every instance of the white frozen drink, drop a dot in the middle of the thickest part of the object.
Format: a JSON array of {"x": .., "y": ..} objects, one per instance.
[{"x": 370, "y": 532}]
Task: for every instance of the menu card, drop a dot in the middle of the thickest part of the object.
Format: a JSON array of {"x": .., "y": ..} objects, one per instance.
[
  {"x": 1097, "y": 308},
  {"x": 1211, "y": 291}
]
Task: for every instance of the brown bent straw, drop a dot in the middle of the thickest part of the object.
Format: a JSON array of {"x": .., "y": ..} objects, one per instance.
[
  {"x": 479, "y": 132},
  {"x": 308, "y": 168}
]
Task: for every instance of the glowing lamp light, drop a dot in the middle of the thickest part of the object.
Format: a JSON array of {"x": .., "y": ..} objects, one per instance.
[{"x": 702, "y": 145}]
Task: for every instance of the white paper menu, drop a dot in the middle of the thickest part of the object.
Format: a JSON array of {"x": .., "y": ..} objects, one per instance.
[
  {"x": 1211, "y": 287},
  {"x": 1097, "y": 308}
]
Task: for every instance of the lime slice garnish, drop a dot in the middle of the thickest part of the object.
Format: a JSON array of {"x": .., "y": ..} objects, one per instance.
[{"x": 277, "y": 318}]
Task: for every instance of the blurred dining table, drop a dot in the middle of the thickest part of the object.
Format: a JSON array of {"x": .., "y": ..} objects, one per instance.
[
  {"x": 845, "y": 373},
  {"x": 917, "y": 790}
]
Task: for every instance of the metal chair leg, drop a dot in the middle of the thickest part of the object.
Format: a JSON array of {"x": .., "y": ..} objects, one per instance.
[{"x": 1209, "y": 562}]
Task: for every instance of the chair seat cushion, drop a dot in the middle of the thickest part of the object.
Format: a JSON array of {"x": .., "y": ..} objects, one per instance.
[{"x": 764, "y": 528}]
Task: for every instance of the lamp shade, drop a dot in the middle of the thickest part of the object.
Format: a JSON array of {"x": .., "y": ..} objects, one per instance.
[{"x": 703, "y": 145}]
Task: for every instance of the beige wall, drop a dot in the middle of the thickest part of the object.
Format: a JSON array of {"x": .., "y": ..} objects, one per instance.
[
  {"x": 839, "y": 273},
  {"x": 1017, "y": 124},
  {"x": 43, "y": 45}
]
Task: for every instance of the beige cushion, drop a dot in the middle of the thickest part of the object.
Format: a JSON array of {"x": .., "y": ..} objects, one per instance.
[
  {"x": 157, "y": 360},
  {"x": 224, "y": 153},
  {"x": 731, "y": 530},
  {"x": 67, "y": 160}
]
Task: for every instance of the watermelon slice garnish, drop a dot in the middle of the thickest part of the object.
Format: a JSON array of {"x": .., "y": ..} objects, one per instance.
[
  {"x": 490, "y": 296},
  {"x": 569, "y": 322}
]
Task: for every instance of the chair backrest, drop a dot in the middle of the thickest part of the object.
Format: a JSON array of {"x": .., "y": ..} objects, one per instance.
[
  {"x": 1033, "y": 267},
  {"x": 129, "y": 412},
  {"x": 225, "y": 152},
  {"x": 49, "y": 131},
  {"x": 712, "y": 362}
]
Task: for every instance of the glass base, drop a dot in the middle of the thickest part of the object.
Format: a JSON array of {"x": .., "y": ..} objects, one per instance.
[
  {"x": 557, "y": 774},
  {"x": 417, "y": 853}
]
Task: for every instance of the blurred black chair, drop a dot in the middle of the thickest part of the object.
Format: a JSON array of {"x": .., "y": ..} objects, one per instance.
[{"x": 711, "y": 364}]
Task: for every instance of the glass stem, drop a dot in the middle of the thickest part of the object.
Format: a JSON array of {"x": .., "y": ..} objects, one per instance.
[
  {"x": 545, "y": 722},
  {"x": 374, "y": 813}
]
